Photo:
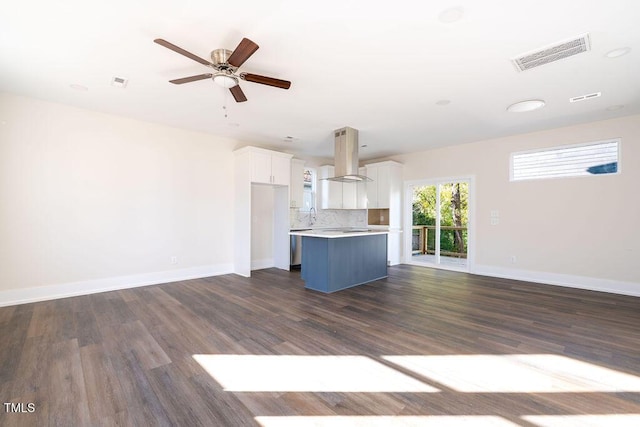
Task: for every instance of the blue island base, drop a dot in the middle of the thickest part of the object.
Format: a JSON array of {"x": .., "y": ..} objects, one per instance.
[{"x": 333, "y": 264}]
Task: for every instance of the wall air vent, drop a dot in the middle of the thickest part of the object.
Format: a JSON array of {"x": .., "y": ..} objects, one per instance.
[{"x": 552, "y": 53}]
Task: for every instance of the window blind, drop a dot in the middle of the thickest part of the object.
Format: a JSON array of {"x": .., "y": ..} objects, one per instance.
[{"x": 593, "y": 158}]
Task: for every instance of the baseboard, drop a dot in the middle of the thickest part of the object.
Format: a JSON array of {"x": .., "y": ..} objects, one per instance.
[
  {"x": 65, "y": 290},
  {"x": 567, "y": 280},
  {"x": 260, "y": 264}
]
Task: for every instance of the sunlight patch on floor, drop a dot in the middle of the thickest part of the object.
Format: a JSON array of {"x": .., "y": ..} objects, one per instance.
[
  {"x": 384, "y": 421},
  {"x": 518, "y": 373},
  {"x": 275, "y": 373},
  {"x": 613, "y": 420}
]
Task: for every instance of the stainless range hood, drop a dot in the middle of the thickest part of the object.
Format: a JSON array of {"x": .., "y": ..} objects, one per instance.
[{"x": 346, "y": 156}]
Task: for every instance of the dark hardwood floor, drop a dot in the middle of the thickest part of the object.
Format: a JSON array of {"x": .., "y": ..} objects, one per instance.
[{"x": 126, "y": 357}]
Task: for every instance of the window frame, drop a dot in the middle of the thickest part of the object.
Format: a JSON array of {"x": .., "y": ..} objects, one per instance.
[
  {"x": 618, "y": 171},
  {"x": 313, "y": 192}
]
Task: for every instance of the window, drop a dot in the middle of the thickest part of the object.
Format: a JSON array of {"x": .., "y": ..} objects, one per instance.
[
  {"x": 309, "y": 189},
  {"x": 594, "y": 158}
]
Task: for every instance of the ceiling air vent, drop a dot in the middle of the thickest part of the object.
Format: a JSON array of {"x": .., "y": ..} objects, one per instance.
[
  {"x": 585, "y": 97},
  {"x": 552, "y": 53},
  {"x": 119, "y": 82}
]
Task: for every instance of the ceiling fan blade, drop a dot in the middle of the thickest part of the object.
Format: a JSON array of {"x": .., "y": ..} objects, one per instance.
[
  {"x": 263, "y": 80},
  {"x": 190, "y": 79},
  {"x": 238, "y": 94},
  {"x": 245, "y": 49},
  {"x": 181, "y": 51}
]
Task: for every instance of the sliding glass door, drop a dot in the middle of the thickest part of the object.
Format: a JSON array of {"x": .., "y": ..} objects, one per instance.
[{"x": 439, "y": 234}]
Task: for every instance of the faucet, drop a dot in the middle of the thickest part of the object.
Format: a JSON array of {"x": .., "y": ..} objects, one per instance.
[{"x": 312, "y": 216}]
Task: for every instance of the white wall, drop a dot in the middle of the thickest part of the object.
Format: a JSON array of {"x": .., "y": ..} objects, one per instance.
[
  {"x": 90, "y": 201},
  {"x": 580, "y": 232}
]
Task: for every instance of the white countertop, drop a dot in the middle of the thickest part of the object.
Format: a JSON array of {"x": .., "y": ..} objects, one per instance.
[{"x": 337, "y": 233}]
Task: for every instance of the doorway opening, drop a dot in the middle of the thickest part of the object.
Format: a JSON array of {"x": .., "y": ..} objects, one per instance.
[{"x": 439, "y": 232}]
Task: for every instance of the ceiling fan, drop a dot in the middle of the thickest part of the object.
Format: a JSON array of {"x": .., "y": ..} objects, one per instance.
[{"x": 226, "y": 64}]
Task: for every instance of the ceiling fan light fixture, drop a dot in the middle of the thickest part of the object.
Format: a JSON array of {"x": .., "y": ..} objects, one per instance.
[{"x": 225, "y": 80}]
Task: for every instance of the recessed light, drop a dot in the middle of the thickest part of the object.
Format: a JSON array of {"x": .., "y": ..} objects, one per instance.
[
  {"x": 443, "y": 102},
  {"x": 524, "y": 106},
  {"x": 78, "y": 87},
  {"x": 615, "y": 107},
  {"x": 120, "y": 82},
  {"x": 450, "y": 15},
  {"x": 616, "y": 53}
]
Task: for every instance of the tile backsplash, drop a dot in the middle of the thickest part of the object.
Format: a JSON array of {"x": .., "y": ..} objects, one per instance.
[{"x": 329, "y": 218}]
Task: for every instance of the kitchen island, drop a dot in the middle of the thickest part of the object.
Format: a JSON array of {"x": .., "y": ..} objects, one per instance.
[{"x": 337, "y": 259}]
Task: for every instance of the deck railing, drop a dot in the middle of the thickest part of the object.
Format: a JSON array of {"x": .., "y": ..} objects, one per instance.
[{"x": 423, "y": 239}]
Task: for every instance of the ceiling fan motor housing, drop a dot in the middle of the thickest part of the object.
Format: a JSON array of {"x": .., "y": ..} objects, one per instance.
[{"x": 220, "y": 57}]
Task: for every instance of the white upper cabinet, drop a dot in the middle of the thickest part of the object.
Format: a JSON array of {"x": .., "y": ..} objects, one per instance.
[
  {"x": 386, "y": 184},
  {"x": 269, "y": 167},
  {"x": 340, "y": 195},
  {"x": 361, "y": 191},
  {"x": 281, "y": 169},
  {"x": 372, "y": 186},
  {"x": 261, "y": 167},
  {"x": 296, "y": 188},
  {"x": 331, "y": 191},
  {"x": 349, "y": 195}
]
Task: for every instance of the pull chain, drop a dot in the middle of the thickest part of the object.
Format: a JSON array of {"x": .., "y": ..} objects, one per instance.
[{"x": 224, "y": 105}]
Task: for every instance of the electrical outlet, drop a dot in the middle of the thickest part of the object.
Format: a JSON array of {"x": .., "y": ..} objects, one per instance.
[
  {"x": 174, "y": 260},
  {"x": 513, "y": 259}
]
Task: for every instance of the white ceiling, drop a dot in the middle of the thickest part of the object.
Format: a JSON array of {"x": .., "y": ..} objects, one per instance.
[{"x": 377, "y": 66}]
